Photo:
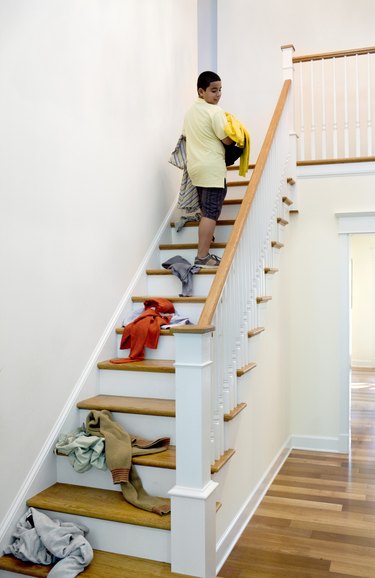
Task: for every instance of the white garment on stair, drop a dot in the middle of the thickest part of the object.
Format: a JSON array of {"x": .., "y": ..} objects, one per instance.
[{"x": 41, "y": 540}]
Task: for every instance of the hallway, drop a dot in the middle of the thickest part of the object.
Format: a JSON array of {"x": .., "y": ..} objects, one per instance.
[{"x": 318, "y": 517}]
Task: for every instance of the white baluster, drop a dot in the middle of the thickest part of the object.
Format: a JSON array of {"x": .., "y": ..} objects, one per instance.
[
  {"x": 346, "y": 119},
  {"x": 369, "y": 114},
  {"x": 357, "y": 117},
  {"x": 334, "y": 93},
  {"x": 302, "y": 116},
  {"x": 324, "y": 122},
  {"x": 313, "y": 127}
]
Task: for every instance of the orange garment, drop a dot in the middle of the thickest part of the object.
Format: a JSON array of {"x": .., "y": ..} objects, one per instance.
[{"x": 144, "y": 331}]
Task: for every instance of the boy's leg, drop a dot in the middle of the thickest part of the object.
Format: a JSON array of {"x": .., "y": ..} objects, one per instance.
[
  {"x": 211, "y": 202},
  {"x": 205, "y": 234}
]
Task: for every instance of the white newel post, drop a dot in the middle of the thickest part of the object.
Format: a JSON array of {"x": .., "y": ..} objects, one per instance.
[
  {"x": 288, "y": 73},
  {"x": 193, "y": 535}
]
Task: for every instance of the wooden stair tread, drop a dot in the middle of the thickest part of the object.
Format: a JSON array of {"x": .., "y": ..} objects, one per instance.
[
  {"x": 238, "y": 183},
  {"x": 174, "y": 246},
  {"x": 270, "y": 270},
  {"x": 220, "y": 463},
  {"x": 232, "y": 201},
  {"x": 173, "y": 299},
  {"x": 237, "y": 167},
  {"x": 287, "y": 201},
  {"x": 282, "y": 221},
  {"x": 202, "y": 271},
  {"x": 134, "y": 405},
  {"x": 277, "y": 245},
  {"x": 245, "y": 369},
  {"x": 255, "y": 331},
  {"x": 293, "y": 212},
  {"x": 234, "y": 412},
  {"x": 264, "y": 299},
  {"x": 167, "y": 458},
  {"x": 120, "y": 331},
  {"x": 104, "y": 565},
  {"x": 219, "y": 223},
  {"x": 151, "y": 365},
  {"x": 96, "y": 503},
  {"x": 290, "y": 181}
]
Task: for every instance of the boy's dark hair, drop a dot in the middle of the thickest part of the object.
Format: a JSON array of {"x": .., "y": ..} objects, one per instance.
[{"x": 205, "y": 78}]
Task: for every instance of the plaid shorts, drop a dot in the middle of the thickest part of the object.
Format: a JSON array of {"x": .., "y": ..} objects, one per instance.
[{"x": 211, "y": 201}]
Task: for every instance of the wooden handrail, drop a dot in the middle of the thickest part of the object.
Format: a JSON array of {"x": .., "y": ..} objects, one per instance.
[
  {"x": 209, "y": 308},
  {"x": 338, "y": 54}
]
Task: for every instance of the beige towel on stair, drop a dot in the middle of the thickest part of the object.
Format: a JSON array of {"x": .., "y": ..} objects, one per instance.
[{"x": 120, "y": 446}]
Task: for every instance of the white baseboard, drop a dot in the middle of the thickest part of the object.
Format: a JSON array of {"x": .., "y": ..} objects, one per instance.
[
  {"x": 369, "y": 364},
  {"x": 338, "y": 444},
  {"x": 231, "y": 536}
]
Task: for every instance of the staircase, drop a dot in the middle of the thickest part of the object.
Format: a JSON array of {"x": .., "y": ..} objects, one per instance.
[
  {"x": 180, "y": 379},
  {"x": 127, "y": 540}
]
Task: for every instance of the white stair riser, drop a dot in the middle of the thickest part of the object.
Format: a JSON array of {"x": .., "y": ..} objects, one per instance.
[
  {"x": 146, "y": 426},
  {"x": 164, "y": 350},
  {"x": 156, "y": 481},
  {"x": 189, "y": 310},
  {"x": 128, "y": 539},
  {"x": 137, "y": 383},
  {"x": 166, "y": 285},
  {"x": 4, "y": 574},
  {"x": 188, "y": 254},
  {"x": 230, "y": 211},
  {"x": 237, "y": 192},
  {"x": 190, "y": 234}
]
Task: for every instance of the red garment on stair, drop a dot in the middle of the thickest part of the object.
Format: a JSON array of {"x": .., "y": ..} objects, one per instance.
[{"x": 144, "y": 331}]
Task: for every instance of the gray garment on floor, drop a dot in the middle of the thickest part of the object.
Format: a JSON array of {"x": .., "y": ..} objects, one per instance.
[
  {"x": 184, "y": 271},
  {"x": 41, "y": 540}
]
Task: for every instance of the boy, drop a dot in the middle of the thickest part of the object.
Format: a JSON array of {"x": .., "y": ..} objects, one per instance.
[{"x": 205, "y": 138}]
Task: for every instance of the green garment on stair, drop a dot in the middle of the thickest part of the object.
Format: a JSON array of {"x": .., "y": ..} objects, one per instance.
[
  {"x": 83, "y": 451},
  {"x": 120, "y": 446}
]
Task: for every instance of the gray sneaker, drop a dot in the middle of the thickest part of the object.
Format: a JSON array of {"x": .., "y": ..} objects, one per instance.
[{"x": 210, "y": 262}]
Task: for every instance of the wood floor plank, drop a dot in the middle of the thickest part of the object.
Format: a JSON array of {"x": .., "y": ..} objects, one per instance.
[{"x": 318, "y": 517}]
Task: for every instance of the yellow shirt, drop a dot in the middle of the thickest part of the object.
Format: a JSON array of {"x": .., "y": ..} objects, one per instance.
[
  {"x": 240, "y": 135},
  {"x": 204, "y": 130}
]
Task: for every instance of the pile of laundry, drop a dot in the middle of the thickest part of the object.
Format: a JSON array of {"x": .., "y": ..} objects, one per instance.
[
  {"x": 40, "y": 540},
  {"x": 103, "y": 443}
]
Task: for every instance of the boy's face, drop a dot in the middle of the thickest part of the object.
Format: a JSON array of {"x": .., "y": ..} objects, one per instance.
[{"x": 212, "y": 94}]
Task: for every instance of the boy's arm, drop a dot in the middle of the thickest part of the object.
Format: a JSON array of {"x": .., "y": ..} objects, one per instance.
[{"x": 227, "y": 140}]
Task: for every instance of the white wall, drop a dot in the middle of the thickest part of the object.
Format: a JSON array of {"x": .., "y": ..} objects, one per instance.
[
  {"x": 250, "y": 35},
  {"x": 92, "y": 95},
  {"x": 363, "y": 300}
]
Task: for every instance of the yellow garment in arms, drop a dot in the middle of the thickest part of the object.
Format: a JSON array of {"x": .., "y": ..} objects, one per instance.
[{"x": 240, "y": 135}]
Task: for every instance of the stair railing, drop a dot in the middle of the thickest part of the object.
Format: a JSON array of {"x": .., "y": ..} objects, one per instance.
[
  {"x": 209, "y": 353},
  {"x": 335, "y": 104}
]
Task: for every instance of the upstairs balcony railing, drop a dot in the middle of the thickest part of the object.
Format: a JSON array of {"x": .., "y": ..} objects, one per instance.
[{"x": 334, "y": 105}]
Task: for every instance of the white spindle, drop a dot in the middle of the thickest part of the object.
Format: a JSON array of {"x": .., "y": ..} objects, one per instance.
[
  {"x": 334, "y": 93},
  {"x": 369, "y": 113},
  {"x": 313, "y": 127},
  {"x": 324, "y": 122},
  {"x": 302, "y": 116},
  {"x": 357, "y": 118},
  {"x": 346, "y": 117}
]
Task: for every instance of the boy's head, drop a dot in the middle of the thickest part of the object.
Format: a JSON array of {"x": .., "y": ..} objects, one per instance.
[{"x": 209, "y": 87}]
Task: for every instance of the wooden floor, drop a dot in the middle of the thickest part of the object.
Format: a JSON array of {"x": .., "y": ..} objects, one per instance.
[{"x": 318, "y": 517}]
